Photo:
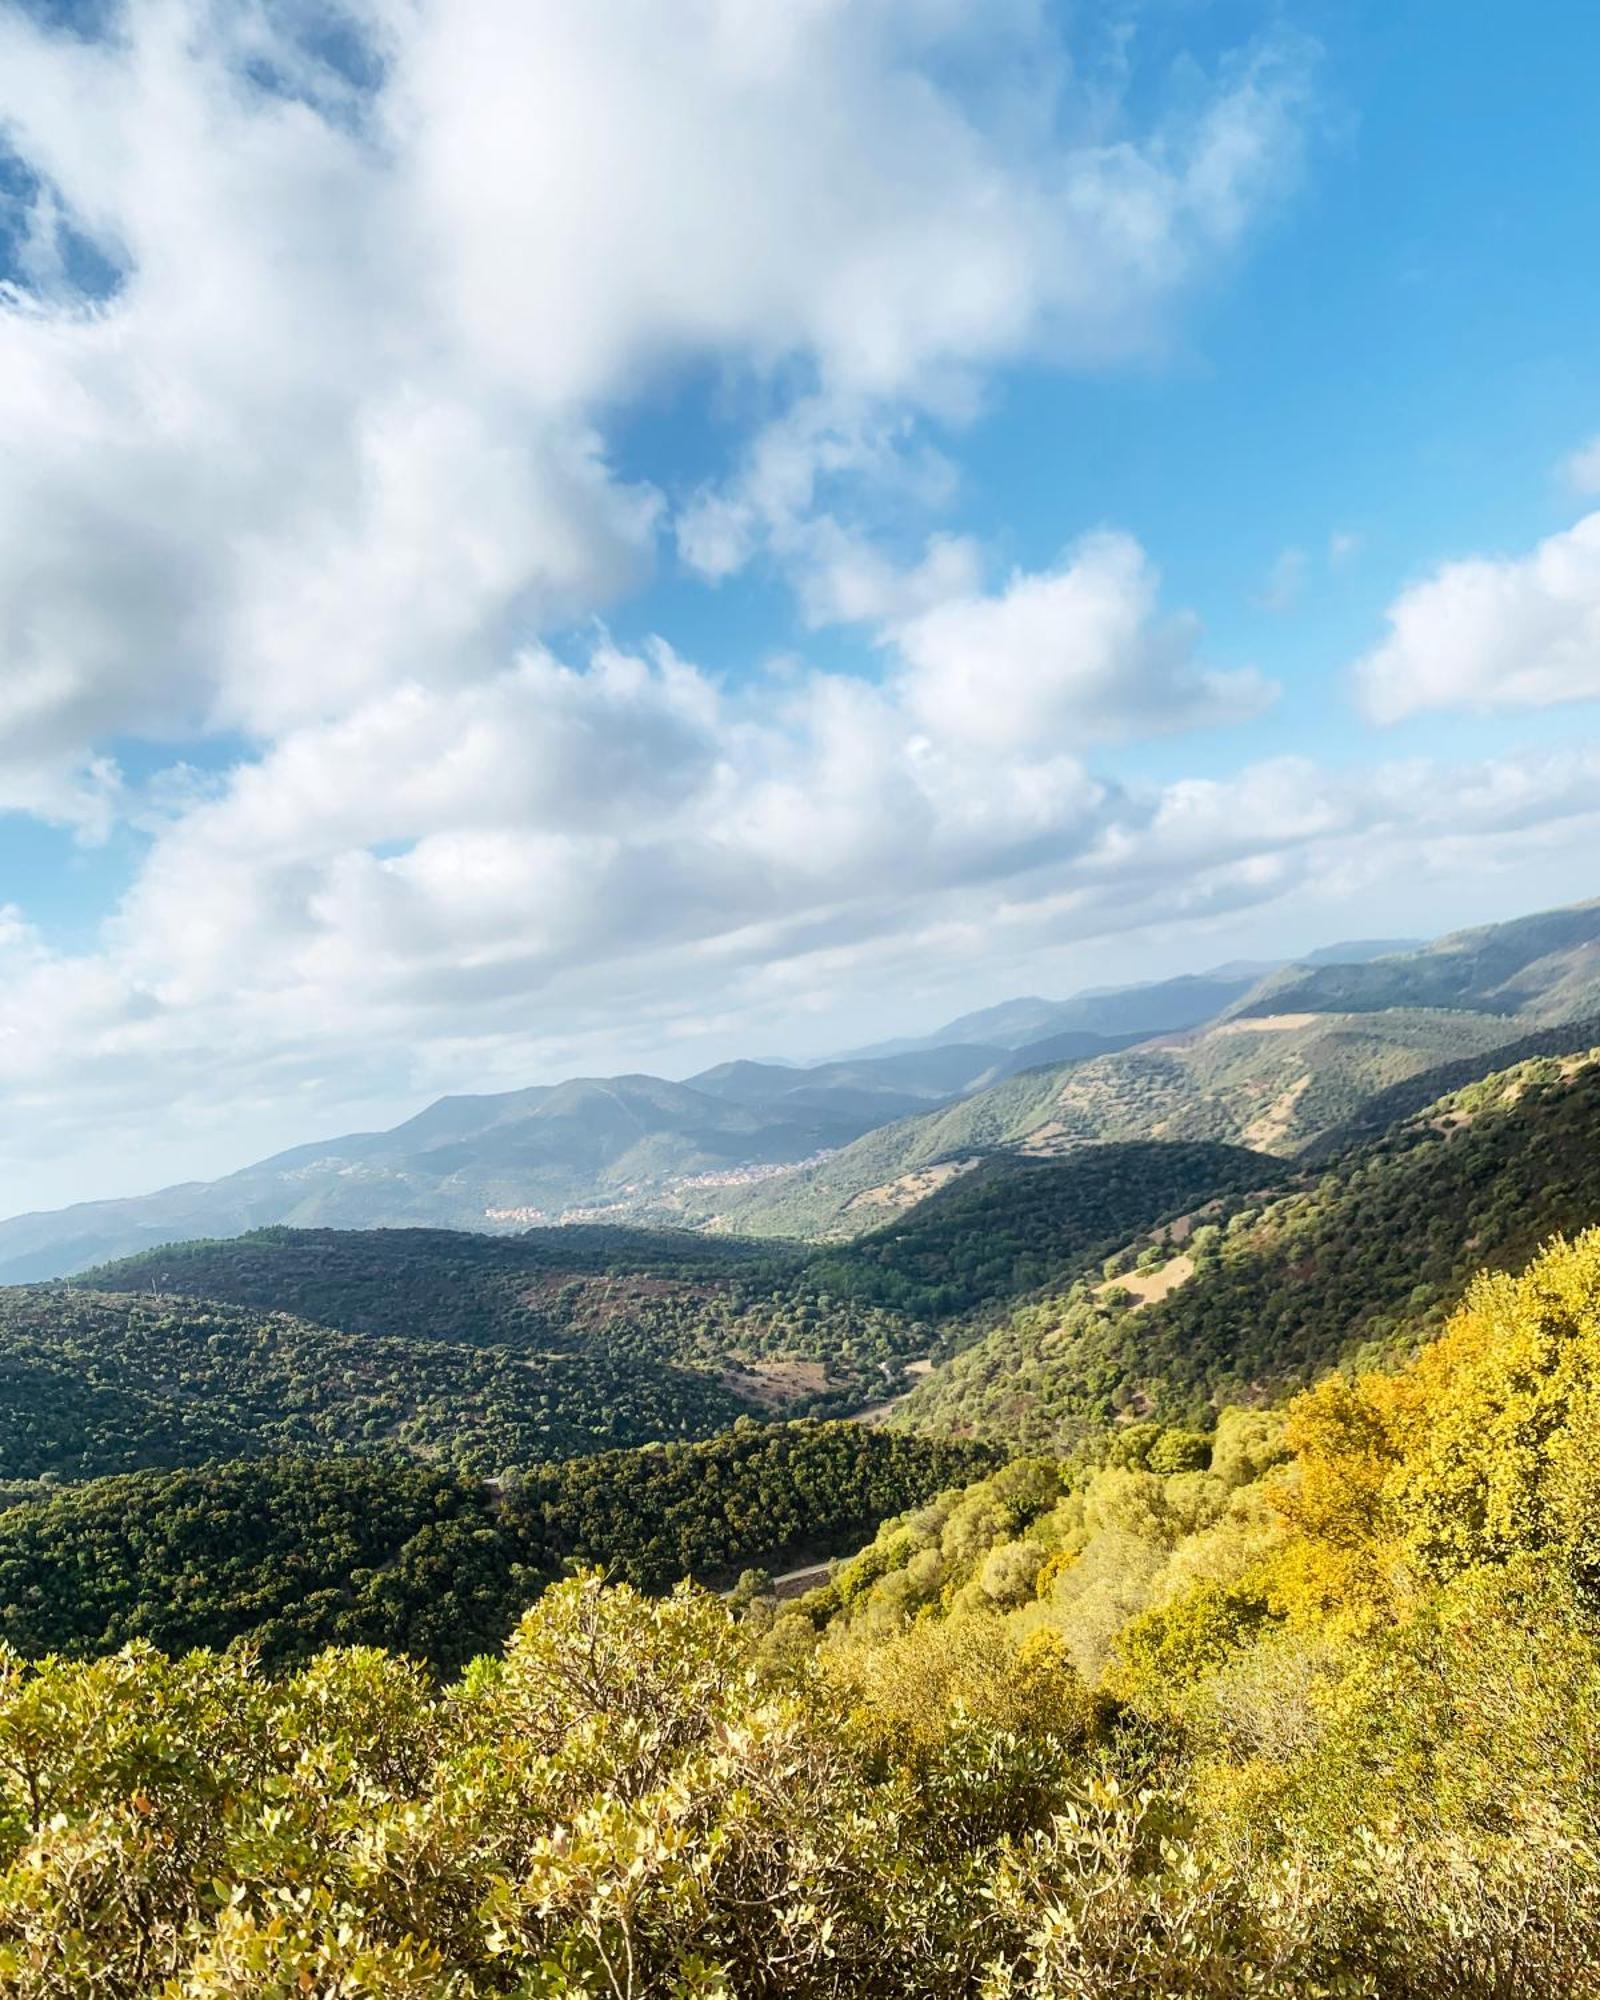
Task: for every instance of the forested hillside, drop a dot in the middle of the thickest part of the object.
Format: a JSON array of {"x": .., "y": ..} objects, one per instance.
[
  {"x": 995, "y": 1235},
  {"x": 653, "y": 1299},
  {"x": 297, "y": 1553},
  {"x": 1543, "y": 968},
  {"x": 1013, "y": 1224},
  {"x": 1386, "y": 1109},
  {"x": 1308, "y": 1707},
  {"x": 97, "y": 1382},
  {"x": 436, "y": 1284},
  {"x": 1375, "y": 1250},
  {"x": 498, "y": 1354},
  {"x": 1273, "y": 1085}
]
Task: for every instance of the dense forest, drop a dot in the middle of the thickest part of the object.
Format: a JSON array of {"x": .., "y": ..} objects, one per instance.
[
  {"x": 628, "y": 1299},
  {"x": 95, "y": 1382},
  {"x": 1384, "y": 1110},
  {"x": 295, "y": 1553},
  {"x": 1372, "y": 1253},
  {"x": 1129, "y": 1680},
  {"x": 997, "y": 1233},
  {"x": 1014, "y": 1225},
  {"x": 494, "y": 1352},
  {"x": 435, "y": 1284},
  {"x": 1309, "y": 1706}
]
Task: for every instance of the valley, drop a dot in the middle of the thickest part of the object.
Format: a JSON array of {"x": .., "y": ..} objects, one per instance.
[
  {"x": 1039, "y": 1290},
  {"x": 826, "y": 1149},
  {"x": 1101, "y": 1447}
]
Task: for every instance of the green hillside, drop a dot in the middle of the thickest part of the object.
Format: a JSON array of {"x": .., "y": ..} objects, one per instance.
[
  {"x": 1543, "y": 968},
  {"x": 1013, "y": 1224},
  {"x": 1401, "y": 1101},
  {"x": 296, "y": 1553},
  {"x": 541, "y": 1288},
  {"x": 709, "y": 1302},
  {"x": 1308, "y": 1708},
  {"x": 1377, "y": 1248},
  {"x": 628, "y": 1298},
  {"x": 98, "y": 1382},
  {"x": 1273, "y": 1086}
]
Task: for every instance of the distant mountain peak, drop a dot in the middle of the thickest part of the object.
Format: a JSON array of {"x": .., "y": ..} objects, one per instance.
[{"x": 647, "y": 1147}]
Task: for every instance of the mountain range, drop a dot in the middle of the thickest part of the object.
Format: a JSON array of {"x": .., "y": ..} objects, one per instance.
[{"x": 1266, "y": 1056}]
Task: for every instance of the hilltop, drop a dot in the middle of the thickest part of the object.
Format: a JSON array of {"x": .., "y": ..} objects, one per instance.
[
  {"x": 1364, "y": 1257},
  {"x": 1541, "y": 969},
  {"x": 705, "y": 1150},
  {"x": 1290, "y": 1061}
]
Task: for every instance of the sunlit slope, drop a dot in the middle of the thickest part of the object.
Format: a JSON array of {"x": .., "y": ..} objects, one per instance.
[
  {"x": 1372, "y": 1251},
  {"x": 298, "y": 1552},
  {"x": 1272, "y": 1084},
  {"x": 1542, "y": 969}
]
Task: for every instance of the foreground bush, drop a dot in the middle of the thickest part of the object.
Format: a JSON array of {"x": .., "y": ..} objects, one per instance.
[
  {"x": 1308, "y": 1709},
  {"x": 627, "y": 1804}
]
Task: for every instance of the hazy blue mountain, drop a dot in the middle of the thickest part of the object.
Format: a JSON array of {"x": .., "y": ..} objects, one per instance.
[
  {"x": 1118, "y": 1015},
  {"x": 1029, "y": 1072},
  {"x": 1543, "y": 968},
  {"x": 516, "y": 1158},
  {"x": 1356, "y": 951},
  {"x": 916, "y": 1077},
  {"x": 1112, "y": 1014}
]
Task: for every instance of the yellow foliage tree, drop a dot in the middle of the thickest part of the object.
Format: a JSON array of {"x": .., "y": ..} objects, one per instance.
[{"x": 1487, "y": 1447}]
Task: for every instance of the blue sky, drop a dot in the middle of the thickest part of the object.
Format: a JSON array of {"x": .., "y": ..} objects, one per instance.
[
  {"x": 548, "y": 537},
  {"x": 1406, "y": 355}
]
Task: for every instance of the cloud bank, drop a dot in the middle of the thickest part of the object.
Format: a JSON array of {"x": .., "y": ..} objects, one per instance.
[{"x": 316, "y": 358}]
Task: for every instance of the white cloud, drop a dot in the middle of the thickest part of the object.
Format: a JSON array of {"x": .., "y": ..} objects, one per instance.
[
  {"x": 324, "y": 450},
  {"x": 1493, "y": 633},
  {"x": 1073, "y": 251},
  {"x": 335, "y": 423},
  {"x": 468, "y": 866},
  {"x": 1074, "y": 655}
]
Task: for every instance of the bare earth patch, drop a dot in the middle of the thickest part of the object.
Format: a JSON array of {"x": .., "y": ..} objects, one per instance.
[
  {"x": 911, "y": 1188},
  {"x": 876, "y": 1412},
  {"x": 1266, "y": 1024},
  {"x": 1049, "y": 1142},
  {"x": 1276, "y": 1122},
  {"x": 1148, "y": 1288},
  {"x": 775, "y": 1384}
]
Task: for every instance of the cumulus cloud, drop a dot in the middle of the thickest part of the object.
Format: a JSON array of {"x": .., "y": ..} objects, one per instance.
[
  {"x": 1079, "y": 653},
  {"x": 1493, "y": 633},
  {"x": 1071, "y": 251},
  {"x": 332, "y": 414},
  {"x": 312, "y": 357}
]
